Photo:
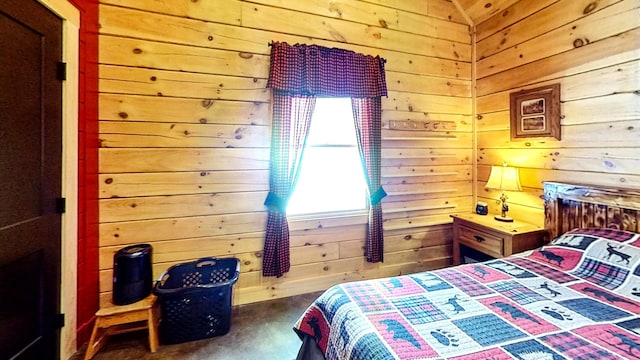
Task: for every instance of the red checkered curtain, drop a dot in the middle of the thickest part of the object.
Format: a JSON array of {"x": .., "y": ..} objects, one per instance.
[
  {"x": 367, "y": 115},
  {"x": 325, "y": 72},
  {"x": 290, "y": 125},
  {"x": 297, "y": 75}
]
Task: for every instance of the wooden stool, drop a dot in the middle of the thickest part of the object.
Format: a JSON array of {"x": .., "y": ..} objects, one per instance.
[{"x": 114, "y": 319}]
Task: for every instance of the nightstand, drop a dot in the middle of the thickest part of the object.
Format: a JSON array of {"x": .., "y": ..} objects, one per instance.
[{"x": 492, "y": 237}]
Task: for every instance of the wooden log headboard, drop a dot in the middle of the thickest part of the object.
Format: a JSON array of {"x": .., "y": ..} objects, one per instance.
[{"x": 570, "y": 206}]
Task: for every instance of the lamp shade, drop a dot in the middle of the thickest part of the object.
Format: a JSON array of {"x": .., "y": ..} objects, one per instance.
[{"x": 504, "y": 178}]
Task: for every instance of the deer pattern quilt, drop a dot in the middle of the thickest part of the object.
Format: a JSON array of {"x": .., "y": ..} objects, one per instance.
[{"x": 577, "y": 298}]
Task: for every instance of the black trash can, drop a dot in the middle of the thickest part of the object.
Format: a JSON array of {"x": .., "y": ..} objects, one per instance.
[
  {"x": 195, "y": 299},
  {"x": 132, "y": 274}
]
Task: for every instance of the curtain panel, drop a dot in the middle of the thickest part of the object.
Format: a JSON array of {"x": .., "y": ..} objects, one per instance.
[
  {"x": 367, "y": 115},
  {"x": 291, "y": 120},
  {"x": 298, "y": 74}
]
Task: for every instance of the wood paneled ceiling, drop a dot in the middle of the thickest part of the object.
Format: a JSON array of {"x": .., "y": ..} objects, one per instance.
[{"x": 479, "y": 10}]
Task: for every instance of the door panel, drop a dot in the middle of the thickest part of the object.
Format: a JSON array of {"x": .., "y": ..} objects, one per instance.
[
  {"x": 21, "y": 161},
  {"x": 30, "y": 179}
]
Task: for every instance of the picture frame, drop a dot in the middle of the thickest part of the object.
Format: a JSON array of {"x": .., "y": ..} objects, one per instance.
[{"x": 536, "y": 112}]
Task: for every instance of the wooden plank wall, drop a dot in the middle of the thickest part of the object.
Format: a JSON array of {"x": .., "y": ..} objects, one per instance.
[
  {"x": 593, "y": 50},
  {"x": 184, "y": 134}
]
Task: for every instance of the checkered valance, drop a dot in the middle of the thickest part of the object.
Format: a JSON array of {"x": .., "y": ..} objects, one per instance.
[{"x": 321, "y": 71}]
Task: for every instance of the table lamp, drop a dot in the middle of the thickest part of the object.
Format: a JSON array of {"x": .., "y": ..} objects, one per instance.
[{"x": 504, "y": 178}]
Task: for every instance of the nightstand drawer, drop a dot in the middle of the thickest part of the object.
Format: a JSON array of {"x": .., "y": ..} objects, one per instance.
[
  {"x": 487, "y": 243},
  {"x": 491, "y": 237}
]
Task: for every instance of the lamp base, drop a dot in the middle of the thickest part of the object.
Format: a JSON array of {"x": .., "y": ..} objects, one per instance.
[{"x": 503, "y": 218}]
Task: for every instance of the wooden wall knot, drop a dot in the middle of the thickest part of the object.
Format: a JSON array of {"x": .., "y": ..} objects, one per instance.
[
  {"x": 207, "y": 103},
  {"x": 589, "y": 8},
  {"x": 580, "y": 42},
  {"x": 333, "y": 7}
]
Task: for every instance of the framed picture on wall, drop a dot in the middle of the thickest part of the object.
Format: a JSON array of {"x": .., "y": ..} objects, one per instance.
[{"x": 536, "y": 112}]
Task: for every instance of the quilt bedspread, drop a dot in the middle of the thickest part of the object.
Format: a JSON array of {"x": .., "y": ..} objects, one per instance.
[{"x": 577, "y": 298}]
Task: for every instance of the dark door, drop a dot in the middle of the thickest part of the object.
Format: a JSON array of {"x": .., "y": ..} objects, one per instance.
[{"x": 30, "y": 179}]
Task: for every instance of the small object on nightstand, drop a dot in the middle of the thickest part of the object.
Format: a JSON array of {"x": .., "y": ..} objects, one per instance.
[
  {"x": 494, "y": 238},
  {"x": 482, "y": 208}
]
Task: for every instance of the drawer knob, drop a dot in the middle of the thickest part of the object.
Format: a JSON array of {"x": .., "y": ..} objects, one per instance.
[{"x": 479, "y": 238}]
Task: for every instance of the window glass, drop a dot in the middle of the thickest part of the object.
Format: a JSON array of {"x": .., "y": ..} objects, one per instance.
[{"x": 331, "y": 177}]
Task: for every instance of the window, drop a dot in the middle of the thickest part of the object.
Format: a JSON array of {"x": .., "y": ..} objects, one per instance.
[{"x": 331, "y": 177}]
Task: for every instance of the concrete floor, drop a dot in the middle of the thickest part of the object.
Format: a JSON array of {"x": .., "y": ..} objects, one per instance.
[{"x": 260, "y": 331}]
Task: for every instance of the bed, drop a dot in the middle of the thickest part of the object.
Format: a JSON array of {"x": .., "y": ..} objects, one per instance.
[{"x": 578, "y": 297}]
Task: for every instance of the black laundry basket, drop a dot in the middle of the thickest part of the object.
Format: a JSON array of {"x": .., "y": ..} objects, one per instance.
[{"x": 195, "y": 299}]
